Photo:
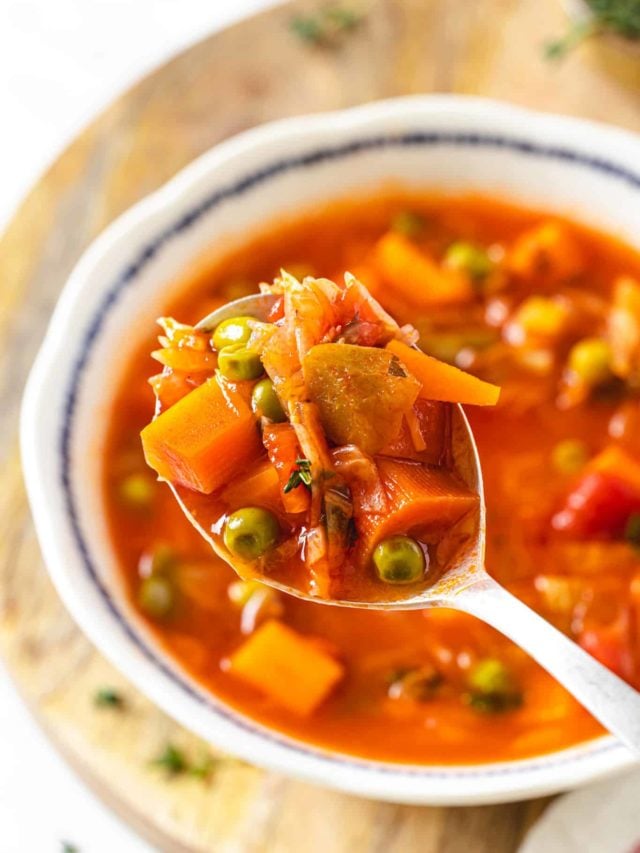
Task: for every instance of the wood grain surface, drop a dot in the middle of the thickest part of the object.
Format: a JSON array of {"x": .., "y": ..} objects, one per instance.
[{"x": 255, "y": 71}]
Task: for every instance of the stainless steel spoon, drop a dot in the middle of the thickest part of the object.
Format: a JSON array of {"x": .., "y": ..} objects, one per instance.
[{"x": 466, "y": 586}]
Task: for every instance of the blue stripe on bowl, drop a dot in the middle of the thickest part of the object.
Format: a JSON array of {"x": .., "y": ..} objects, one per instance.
[{"x": 127, "y": 277}]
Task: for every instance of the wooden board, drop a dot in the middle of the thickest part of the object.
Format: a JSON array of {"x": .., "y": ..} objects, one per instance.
[{"x": 250, "y": 73}]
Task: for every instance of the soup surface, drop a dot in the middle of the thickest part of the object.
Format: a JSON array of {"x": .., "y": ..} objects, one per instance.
[{"x": 551, "y": 312}]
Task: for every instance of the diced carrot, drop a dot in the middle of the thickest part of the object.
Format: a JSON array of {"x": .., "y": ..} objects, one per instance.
[
  {"x": 549, "y": 251},
  {"x": 291, "y": 669},
  {"x": 420, "y": 499},
  {"x": 416, "y": 276},
  {"x": 619, "y": 463},
  {"x": 260, "y": 488},
  {"x": 204, "y": 440},
  {"x": 186, "y": 360},
  {"x": 283, "y": 449},
  {"x": 442, "y": 381},
  {"x": 432, "y": 422},
  {"x": 624, "y": 327}
]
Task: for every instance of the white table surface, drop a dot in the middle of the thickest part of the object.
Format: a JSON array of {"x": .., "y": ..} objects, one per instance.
[{"x": 61, "y": 61}]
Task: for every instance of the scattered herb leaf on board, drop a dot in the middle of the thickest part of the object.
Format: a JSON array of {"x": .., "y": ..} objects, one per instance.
[
  {"x": 326, "y": 27},
  {"x": 175, "y": 762},
  {"x": 109, "y": 697},
  {"x": 620, "y": 17}
]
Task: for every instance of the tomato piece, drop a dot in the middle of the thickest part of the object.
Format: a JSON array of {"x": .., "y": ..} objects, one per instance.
[
  {"x": 611, "y": 645},
  {"x": 599, "y": 506}
]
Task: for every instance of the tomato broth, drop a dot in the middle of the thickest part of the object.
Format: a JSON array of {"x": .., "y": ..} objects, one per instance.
[{"x": 548, "y": 316}]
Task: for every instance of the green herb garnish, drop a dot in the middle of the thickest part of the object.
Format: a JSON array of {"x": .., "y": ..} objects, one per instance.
[
  {"x": 300, "y": 476},
  {"x": 620, "y": 17},
  {"x": 67, "y": 847},
  {"x": 108, "y": 697},
  {"x": 176, "y": 763},
  {"x": 326, "y": 27},
  {"x": 172, "y": 760}
]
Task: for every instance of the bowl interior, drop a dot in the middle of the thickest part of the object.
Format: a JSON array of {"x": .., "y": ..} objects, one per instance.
[{"x": 441, "y": 145}]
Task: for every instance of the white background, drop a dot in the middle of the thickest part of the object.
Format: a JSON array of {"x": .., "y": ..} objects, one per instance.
[{"x": 60, "y": 62}]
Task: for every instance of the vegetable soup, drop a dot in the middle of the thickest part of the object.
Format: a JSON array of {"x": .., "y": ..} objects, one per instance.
[{"x": 545, "y": 309}]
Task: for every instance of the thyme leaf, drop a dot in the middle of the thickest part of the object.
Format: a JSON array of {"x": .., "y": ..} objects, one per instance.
[
  {"x": 172, "y": 760},
  {"x": 109, "y": 697},
  {"x": 300, "y": 476},
  {"x": 175, "y": 762},
  {"x": 327, "y": 26}
]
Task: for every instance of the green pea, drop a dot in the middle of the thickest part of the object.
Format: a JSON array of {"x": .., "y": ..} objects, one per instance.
[
  {"x": 468, "y": 258},
  {"x": 156, "y": 596},
  {"x": 265, "y": 402},
  {"x": 590, "y": 361},
  {"x": 569, "y": 456},
  {"x": 137, "y": 491},
  {"x": 250, "y": 532},
  {"x": 490, "y": 675},
  {"x": 408, "y": 223},
  {"x": 399, "y": 559},
  {"x": 492, "y": 687},
  {"x": 161, "y": 560},
  {"x": 236, "y": 363},
  {"x": 235, "y": 330}
]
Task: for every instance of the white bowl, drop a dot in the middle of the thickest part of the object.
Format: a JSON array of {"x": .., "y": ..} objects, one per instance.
[{"x": 450, "y": 144}]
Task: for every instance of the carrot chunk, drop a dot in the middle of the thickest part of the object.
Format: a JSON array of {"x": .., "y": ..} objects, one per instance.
[
  {"x": 442, "y": 381},
  {"x": 548, "y": 251},
  {"x": 420, "y": 499},
  {"x": 430, "y": 445},
  {"x": 203, "y": 440},
  {"x": 284, "y": 451},
  {"x": 260, "y": 488},
  {"x": 416, "y": 277},
  {"x": 289, "y": 668}
]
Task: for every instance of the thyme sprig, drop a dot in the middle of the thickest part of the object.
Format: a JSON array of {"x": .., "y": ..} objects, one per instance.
[{"x": 300, "y": 476}]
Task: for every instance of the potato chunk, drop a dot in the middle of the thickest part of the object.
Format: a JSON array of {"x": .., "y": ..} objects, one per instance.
[{"x": 361, "y": 393}]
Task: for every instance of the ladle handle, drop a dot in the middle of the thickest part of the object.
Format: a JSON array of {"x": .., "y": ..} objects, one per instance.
[{"x": 611, "y": 700}]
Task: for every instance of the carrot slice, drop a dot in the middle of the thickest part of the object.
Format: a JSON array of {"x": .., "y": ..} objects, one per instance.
[
  {"x": 420, "y": 499},
  {"x": 260, "y": 488},
  {"x": 417, "y": 277},
  {"x": 442, "y": 381},
  {"x": 284, "y": 451},
  {"x": 291, "y": 669},
  {"x": 204, "y": 440}
]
